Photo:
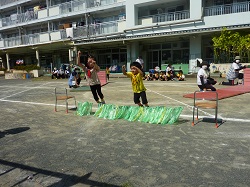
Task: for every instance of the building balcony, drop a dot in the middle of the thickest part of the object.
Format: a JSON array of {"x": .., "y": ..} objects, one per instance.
[
  {"x": 72, "y": 8},
  {"x": 173, "y": 16},
  {"x": 227, "y": 9},
  {"x": 92, "y": 30},
  {"x": 11, "y": 2}
]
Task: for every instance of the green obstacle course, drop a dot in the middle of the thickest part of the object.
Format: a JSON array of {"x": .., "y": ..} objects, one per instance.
[
  {"x": 154, "y": 115},
  {"x": 84, "y": 109}
]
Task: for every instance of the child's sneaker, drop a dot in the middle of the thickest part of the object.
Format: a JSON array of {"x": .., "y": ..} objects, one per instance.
[{"x": 102, "y": 101}]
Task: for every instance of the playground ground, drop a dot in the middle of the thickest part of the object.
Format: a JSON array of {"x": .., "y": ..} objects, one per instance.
[{"x": 40, "y": 147}]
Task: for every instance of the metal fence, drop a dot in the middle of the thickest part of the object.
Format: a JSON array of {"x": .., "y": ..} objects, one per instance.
[
  {"x": 81, "y": 31},
  {"x": 64, "y": 8},
  {"x": 227, "y": 9},
  {"x": 5, "y": 2},
  {"x": 179, "y": 15}
]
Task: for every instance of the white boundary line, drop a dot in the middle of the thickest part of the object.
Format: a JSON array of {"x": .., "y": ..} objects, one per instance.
[
  {"x": 191, "y": 116},
  {"x": 184, "y": 116},
  {"x": 188, "y": 106},
  {"x": 24, "y": 91}
]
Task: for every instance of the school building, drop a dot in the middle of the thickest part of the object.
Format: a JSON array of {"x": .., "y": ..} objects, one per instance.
[{"x": 50, "y": 32}]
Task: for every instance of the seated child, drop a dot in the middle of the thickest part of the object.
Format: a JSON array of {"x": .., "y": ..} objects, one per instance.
[
  {"x": 67, "y": 72},
  {"x": 61, "y": 74},
  {"x": 162, "y": 76},
  {"x": 54, "y": 73},
  {"x": 170, "y": 75},
  {"x": 149, "y": 77},
  {"x": 156, "y": 76},
  {"x": 180, "y": 76}
]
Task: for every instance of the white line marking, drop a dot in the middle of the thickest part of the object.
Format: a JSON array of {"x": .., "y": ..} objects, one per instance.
[
  {"x": 23, "y": 91},
  {"x": 224, "y": 119},
  {"x": 169, "y": 98},
  {"x": 48, "y": 104},
  {"x": 31, "y": 103},
  {"x": 95, "y": 108},
  {"x": 188, "y": 106}
]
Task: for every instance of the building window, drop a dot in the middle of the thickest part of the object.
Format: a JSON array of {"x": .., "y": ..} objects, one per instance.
[
  {"x": 166, "y": 46},
  {"x": 166, "y": 55}
]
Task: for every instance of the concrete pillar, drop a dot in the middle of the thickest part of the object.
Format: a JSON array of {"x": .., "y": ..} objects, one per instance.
[
  {"x": 196, "y": 9},
  {"x": 8, "y": 61},
  {"x": 1, "y": 63},
  {"x": 75, "y": 54},
  {"x": 128, "y": 56},
  {"x": 70, "y": 55},
  {"x": 194, "y": 52},
  {"x": 131, "y": 15},
  {"x": 134, "y": 51},
  {"x": 37, "y": 57}
]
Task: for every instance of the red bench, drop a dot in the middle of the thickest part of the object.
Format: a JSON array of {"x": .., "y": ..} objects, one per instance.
[
  {"x": 228, "y": 91},
  {"x": 103, "y": 77},
  {"x": 247, "y": 77}
]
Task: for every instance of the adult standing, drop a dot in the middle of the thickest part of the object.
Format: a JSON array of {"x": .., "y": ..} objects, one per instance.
[
  {"x": 169, "y": 68},
  {"x": 233, "y": 71},
  {"x": 140, "y": 60},
  {"x": 202, "y": 78}
]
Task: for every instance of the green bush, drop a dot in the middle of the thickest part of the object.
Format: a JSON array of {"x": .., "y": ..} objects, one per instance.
[
  {"x": 2, "y": 69},
  {"x": 27, "y": 68}
]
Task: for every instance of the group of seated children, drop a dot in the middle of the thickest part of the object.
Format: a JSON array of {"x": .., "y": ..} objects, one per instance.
[
  {"x": 60, "y": 74},
  {"x": 164, "y": 76}
]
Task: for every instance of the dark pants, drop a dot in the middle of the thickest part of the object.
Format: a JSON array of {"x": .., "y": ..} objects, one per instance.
[
  {"x": 78, "y": 80},
  {"x": 141, "y": 95},
  {"x": 241, "y": 76},
  {"x": 96, "y": 89},
  {"x": 231, "y": 83},
  {"x": 207, "y": 86},
  {"x": 54, "y": 76}
]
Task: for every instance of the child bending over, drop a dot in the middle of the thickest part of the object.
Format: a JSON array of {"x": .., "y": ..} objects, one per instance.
[{"x": 139, "y": 89}]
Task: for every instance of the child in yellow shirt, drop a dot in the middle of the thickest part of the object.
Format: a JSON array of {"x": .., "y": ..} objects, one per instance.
[
  {"x": 107, "y": 72},
  {"x": 136, "y": 76}
]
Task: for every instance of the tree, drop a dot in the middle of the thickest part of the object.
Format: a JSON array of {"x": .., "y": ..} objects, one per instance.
[{"x": 229, "y": 44}]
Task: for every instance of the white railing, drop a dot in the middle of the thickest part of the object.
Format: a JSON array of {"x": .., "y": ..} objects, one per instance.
[
  {"x": 96, "y": 3},
  {"x": 23, "y": 40},
  {"x": 96, "y": 29},
  {"x": 65, "y": 8},
  {"x": 227, "y": 9},
  {"x": 5, "y": 2},
  {"x": 180, "y": 15},
  {"x": 19, "y": 18},
  {"x": 81, "y": 31}
]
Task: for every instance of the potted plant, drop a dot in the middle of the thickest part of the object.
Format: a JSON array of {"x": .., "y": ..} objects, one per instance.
[
  {"x": 26, "y": 69},
  {"x": 30, "y": 68}
]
